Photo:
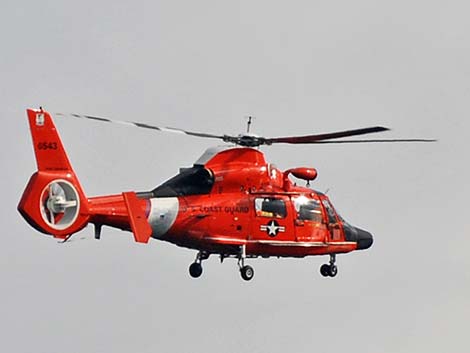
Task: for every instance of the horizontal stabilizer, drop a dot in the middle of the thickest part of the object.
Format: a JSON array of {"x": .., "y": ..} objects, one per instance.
[{"x": 137, "y": 219}]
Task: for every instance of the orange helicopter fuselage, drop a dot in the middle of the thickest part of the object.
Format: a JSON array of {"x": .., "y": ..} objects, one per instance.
[{"x": 235, "y": 198}]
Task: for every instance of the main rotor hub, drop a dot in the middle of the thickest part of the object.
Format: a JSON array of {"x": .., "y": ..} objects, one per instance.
[{"x": 246, "y": 140}]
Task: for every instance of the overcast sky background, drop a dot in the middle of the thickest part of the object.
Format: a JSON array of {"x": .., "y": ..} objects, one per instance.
[{"x": 300, "y": 67}]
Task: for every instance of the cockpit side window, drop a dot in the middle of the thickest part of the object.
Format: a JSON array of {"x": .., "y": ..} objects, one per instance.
[
  {"x": 329, "y": 211},
  {"x": 270, "y": 207},
  {"x": 308, "y": 209}
]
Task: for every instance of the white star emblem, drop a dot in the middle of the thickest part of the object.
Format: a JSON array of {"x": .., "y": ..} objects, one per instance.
[{"x": 272, "y": 228}]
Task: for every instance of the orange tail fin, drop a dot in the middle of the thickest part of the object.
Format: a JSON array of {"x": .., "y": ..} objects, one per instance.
[{"x": 53, "y": 201}]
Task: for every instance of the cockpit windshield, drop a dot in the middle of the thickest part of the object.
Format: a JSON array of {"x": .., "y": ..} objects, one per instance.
[
  {"x": 191, "y": 181},
  {"x": 308, "y": 209}
]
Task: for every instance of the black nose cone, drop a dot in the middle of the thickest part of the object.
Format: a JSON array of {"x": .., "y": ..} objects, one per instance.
[{"x": 363, "y": 238}]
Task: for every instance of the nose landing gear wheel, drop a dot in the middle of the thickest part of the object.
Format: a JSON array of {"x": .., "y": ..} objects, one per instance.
[
  {"x": 325, "y": 270},
  {"x": 247, "y": 272},
  {"x": 329, "y": 270},
  {"x": 332, "y": 270},
  {"x": 195, "y": 270}
]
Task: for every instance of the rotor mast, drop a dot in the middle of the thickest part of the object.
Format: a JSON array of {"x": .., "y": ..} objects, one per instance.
[{"x": 248, "y": 124}]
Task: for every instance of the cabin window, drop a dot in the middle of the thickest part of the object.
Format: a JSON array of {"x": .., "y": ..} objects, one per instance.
[
  {"x": 308, "y": 209},
  {"x": 270, "y": 207}
]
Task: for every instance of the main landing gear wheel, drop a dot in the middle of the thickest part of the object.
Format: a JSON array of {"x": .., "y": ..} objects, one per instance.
[
  {"x": 247, "y": 272},
  {"x": 195, "y": 270},
  {"x": 329, "y": 270}
]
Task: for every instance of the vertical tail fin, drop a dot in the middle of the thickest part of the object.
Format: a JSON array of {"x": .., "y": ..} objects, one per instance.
[
  {"x": 48, "y": 148},
  {"x": 53, "y": 201}
]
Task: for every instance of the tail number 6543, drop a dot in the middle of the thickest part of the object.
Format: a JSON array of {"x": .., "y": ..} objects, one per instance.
[{"x": 47, "y": 145}]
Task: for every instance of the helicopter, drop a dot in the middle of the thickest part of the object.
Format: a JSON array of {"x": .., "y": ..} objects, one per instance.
[{"x": 231, "y": 203}]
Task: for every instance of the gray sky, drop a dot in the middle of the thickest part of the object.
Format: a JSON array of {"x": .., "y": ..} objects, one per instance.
[{"x": 301, "y": 67}]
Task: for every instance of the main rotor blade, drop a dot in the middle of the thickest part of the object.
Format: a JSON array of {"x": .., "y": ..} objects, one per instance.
[
  {"x": 326, "y": 136},
  {"x": 255, "y": 141},
  {"x": 375, "y": 141},
  {"x": 144, "y": 126}
]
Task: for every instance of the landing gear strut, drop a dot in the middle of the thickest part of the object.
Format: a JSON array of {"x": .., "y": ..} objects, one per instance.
[
  {"x": 195, "y": 269},
  {"x": 246, "y": 271},
  {"x": 329, "y": 270}
]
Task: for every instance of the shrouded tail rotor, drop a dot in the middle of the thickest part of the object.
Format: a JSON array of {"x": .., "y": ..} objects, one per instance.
[
  {"x": 53, "y": 201},
  {"x": 60, "y": 204}
]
